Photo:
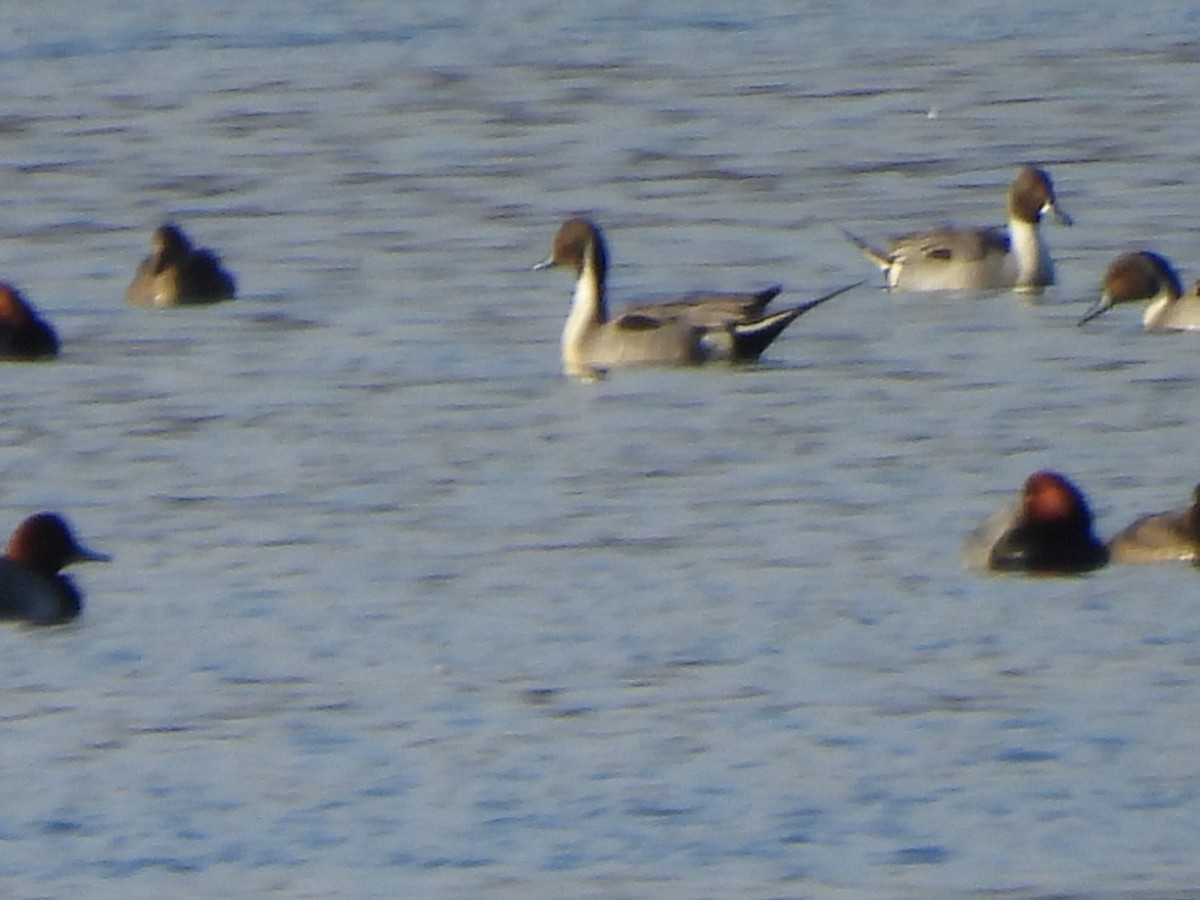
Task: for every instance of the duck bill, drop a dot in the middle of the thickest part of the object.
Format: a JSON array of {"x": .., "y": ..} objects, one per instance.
[
  {"x": 83, "y": 554},
  {"x": 545, "y": 264},
  {"x": 1098, "y": 307},
  {"x": 1060, "y": 214}
]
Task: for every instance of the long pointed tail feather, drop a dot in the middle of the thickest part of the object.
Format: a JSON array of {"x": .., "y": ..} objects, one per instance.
[
  {"x": 874, "y": 254},
  {"x": 804, "y": 307},
  {"x": 750, "y": 339}
]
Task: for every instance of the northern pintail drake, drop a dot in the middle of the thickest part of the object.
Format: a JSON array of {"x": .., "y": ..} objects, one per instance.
[
  {"x": 1161, "y": 537},
  {"x": 24, "y": 334},
  {"x": 178, "y": 274},
  {"x": 1142, "y": 275},
  {"x": 1047, "y": 532},
  {"x": 694, "y": 330},
  {"x": 31, "y": 588},
  {"x": 956, "y": 258}
]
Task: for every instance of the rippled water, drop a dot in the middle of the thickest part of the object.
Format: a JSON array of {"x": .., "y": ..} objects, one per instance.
[{"x": 397, "y": 610}]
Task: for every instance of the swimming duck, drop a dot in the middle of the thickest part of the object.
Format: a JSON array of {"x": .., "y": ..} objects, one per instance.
[
  {"x": 1142, "y": 275},
  {"x": 1160, "y": 537},
  {"x": 31, "y": 588},
  {"x": 177, "y": 273},
  {"x": 703, "y": 328},
  {"x": 24, "y": 335},
  {"x": 957, "y": 258},
  {"x": 1047, "y": 532}
]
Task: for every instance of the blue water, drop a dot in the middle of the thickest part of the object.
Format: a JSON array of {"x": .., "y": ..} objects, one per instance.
[{"x": 397, "y": 610}]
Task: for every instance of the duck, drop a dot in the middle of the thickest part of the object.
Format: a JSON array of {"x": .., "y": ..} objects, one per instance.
[
  {"x": 31, "y": 588},
  {"x": 1160, "y": 537},
  {"x": 176, "y": 273},
  {"x": 961, "y": 258},
  {"x": 1144, "y": 275},
  {"x": 24, "y": 335},
  {"x": 1048, "y": 531},
  {"x": 691, "y": 331}
]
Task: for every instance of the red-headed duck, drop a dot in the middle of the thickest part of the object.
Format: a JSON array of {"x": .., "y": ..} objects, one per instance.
[
  {"x": 1047, "y": 532},
  {"x": 702, "y": 328},
  {"x": 956, "y": 258},
  {"x": 31, "y": 588},
  {"x": 1143, "y": 275},
  {"x": 24, "y": 334},
  {"x": 179, "y": 274},
  {"x": 1161, "y": 537}
]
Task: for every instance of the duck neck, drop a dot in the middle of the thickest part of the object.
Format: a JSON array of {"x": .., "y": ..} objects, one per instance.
[
  {"x": 588, "y": 309},
  {"x": 1034, "y": 267},
  {"x": 1156, "y": 313}
]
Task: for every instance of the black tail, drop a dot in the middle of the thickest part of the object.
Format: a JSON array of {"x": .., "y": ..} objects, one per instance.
[{"x": 752, "y": 338}]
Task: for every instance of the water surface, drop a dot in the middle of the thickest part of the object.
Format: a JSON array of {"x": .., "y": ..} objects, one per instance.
[{"x": 396, "y": 609}]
